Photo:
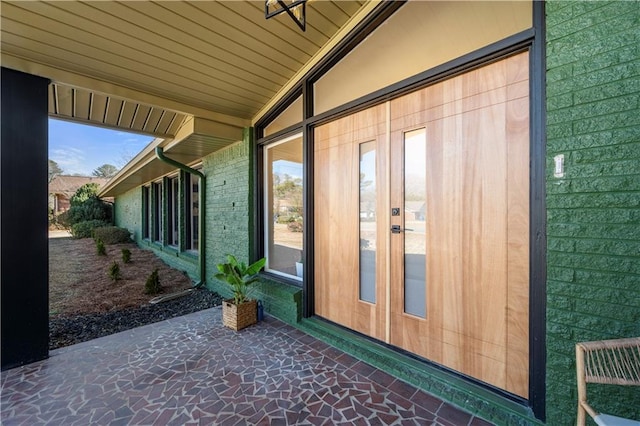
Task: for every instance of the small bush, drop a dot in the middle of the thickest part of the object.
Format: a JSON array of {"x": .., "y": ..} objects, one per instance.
[
  {"x": 152, "y": 286},
  {"x": 126, "y": 255},
  {"x": 295, "y": 226},
  {"x": 114, "y": 271},
  {"x": 100, "y": 249},
  {"x": 85, "y": 229},
  {"x": 112, "y": 235}
]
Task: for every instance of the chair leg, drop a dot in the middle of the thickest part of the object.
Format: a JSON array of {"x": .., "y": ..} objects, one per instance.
[
  {"x": 582, "y": 385},
  {"x": 581, "y": 415}
]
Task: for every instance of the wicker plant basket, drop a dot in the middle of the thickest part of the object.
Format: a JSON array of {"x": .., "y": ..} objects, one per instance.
[{"x": 238, "y": 317}]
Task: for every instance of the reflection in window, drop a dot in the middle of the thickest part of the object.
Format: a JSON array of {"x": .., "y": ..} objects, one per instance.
[
  {"x": 146, "y": 212},
  {"x": 156, "y": 201},
  {"x": 368, "y": 222},
  {"x": 415, "y": 205},
  {"x": 284, "y": 220},
  {"x": 172, "y": 211},
  {"x": 192, "y": 184}
]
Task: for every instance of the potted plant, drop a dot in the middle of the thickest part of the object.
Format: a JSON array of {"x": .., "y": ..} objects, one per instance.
[{"x": 240, "y": 311}]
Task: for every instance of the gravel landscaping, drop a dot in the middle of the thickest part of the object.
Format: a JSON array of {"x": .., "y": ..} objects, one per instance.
[{"x": 69, "y": 330}]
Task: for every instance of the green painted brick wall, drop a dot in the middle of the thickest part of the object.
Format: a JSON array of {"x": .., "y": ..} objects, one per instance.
[
  {"x": 593, "y": 212},
  {"x": 128, "y": 212},
  {"x": 230, "y": 225},
  {"x": 229, "y": 220}
]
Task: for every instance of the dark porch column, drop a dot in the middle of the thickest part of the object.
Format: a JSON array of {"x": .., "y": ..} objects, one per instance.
[{"x": 24, "y": 246}]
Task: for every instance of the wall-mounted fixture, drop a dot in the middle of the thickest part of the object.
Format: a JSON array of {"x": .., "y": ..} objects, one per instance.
[
  {"x": 296, "y": 9},
  {"x": 559, "y": 166}
]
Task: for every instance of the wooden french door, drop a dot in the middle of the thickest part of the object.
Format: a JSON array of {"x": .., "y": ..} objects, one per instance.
[
  {"x": 338, "y": 147},
  {"x": 441, "y": 268}
]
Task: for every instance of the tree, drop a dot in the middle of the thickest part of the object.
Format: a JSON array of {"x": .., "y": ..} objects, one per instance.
[
  {"x": 54, "y": 170},
  {"x": 106, "y": 170}
]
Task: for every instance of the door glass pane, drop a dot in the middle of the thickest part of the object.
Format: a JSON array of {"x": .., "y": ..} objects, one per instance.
[
  {"x": 415, "y": 204},
  {"x": 368, "y": 222},
  {"x": 284, "y": 221}
]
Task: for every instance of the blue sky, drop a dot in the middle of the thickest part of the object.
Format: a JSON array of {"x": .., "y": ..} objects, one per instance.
[{"x": 80, "y": 149}]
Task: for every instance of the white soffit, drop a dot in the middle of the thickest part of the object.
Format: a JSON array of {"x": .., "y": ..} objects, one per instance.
[{"x": 221, "y": 57}]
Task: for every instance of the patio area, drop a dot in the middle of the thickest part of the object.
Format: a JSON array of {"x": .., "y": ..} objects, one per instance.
[{"x": 193, "y": 371}]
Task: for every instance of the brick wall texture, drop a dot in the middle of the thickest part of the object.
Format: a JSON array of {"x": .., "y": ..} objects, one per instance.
[
  {"x": 593, "y": 212},
  {"x": 128, "y": 212}
]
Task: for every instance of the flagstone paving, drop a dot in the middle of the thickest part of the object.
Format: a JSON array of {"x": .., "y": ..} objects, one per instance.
[{"x": 193, "y": 371}]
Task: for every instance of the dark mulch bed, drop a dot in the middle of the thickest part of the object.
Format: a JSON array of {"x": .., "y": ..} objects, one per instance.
[{"x": 69, "y": 330}]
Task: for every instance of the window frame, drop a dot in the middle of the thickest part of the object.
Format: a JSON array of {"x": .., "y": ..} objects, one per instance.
[
  {"x": 264, "y": 216},
  {"x": 146, "y": 212},
  {"x": 190, "y": 222}
]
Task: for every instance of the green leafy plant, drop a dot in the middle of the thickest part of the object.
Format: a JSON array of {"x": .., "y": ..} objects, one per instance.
[
  {"x": 239, "y": 276},
  {"x": 100, "y": 249},
  {"x": 126, "y": 255},
  {"x": 114, "y": 271},
  {"x": 152, "y": 286}
]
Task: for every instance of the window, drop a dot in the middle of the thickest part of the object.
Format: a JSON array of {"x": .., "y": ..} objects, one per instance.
[
  {"x": 290, "y": 116},
  {"x": 156, "y": 213},
  {"x": 368, "y": 222},
  {"x": 172, "y": 211},
  {"x": 284, "y": 215},
  {"x": 146, "y": 213},
  {"x": 192, "y": 188}
]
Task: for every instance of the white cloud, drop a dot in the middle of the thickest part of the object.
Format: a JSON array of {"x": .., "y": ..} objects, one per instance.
[{"x": 71, "y": 160}]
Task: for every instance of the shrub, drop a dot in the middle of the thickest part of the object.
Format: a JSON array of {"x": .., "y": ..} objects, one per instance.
[
  {"x": 114, "y": 271},
  {"x": 63, "y": 219},
  {"x": 112, "y": 234},
  {"x": 86, "y": 205},
  {"x": 100, "y": 249},
  {"x": 91, "y": 209},
  {"x": 126, "y": 255},
  {"x": 85, "y": 229},
  {"x": 152, "y": 286}
]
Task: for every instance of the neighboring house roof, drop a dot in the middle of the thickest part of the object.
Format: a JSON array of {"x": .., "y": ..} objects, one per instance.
[{"x": 68, "y": 185}]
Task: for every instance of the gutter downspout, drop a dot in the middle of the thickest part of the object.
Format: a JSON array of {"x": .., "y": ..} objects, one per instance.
[{"x": 201, "y": 198}]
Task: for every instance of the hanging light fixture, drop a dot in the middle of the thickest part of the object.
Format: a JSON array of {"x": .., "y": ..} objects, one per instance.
[{"x": 296, "y": 9}]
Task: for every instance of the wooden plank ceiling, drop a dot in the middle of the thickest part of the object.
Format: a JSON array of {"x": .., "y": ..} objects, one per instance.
[
  {"x": 140, "y": 65},
  {"x": 85, "y": 106}
]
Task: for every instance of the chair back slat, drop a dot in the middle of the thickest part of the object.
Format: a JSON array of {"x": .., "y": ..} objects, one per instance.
[{"x": 612, "y": 361}]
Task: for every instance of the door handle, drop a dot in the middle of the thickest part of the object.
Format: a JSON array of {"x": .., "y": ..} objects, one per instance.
[{"x": 396, "y": 229}]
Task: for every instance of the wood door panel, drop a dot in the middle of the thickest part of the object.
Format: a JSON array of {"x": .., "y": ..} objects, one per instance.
[
  {"x": 518, "y": 246},
  {"x": 477, "y": 224},
  {"x": 336, "y": 199}
]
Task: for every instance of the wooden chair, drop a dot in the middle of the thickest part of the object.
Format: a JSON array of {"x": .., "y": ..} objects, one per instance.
[{"x": 614, "y": 362}]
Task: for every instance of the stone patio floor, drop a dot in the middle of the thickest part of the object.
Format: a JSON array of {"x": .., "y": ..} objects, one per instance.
[{"x": 193, "y": 371}]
